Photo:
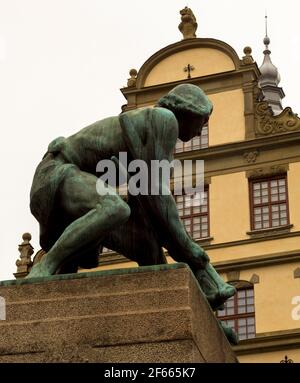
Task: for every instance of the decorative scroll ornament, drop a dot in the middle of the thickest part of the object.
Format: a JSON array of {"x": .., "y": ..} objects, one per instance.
[
  {"x": 268, "y": 124},
  {"x": 286, "y": 360},
  {"x": 267, "y": 171}
]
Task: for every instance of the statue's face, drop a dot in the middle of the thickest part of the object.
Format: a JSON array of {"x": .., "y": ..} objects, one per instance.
[{"x": 191, "y": 126}]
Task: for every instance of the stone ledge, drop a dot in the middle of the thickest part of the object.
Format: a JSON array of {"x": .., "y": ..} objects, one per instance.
[{"x": 146, "y": 314}]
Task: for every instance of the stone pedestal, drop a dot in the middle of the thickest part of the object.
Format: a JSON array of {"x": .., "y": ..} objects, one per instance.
[{"x": 146, "y": 314}]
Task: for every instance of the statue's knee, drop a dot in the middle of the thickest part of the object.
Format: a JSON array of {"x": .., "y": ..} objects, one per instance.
[
  {"x": 115, "y": 208},
  {"x": 122, "y": 211}
]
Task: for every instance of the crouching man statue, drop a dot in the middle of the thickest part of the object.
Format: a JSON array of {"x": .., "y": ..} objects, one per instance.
[{"x": 76, "y": 219}]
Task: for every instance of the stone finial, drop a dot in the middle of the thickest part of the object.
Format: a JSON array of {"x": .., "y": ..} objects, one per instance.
[
  {"x": 24, "y": 264},
  {"x": 188, "y": 25},
  {"x": 131, "y": 82},
  {"x": 248, "y": 59}
]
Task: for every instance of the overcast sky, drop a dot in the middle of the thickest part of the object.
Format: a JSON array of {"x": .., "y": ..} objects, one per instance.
[{"x": 62, "y": 63}]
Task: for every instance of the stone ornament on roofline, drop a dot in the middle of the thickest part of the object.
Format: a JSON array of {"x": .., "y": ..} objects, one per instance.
[
  {"x": 248, "y": 59},
  {"x": 131, "y": 82},
  {"x": 269, "y": 124},
  {"x": 188, "y": 25},
  {"x": 25, "y": 263}
]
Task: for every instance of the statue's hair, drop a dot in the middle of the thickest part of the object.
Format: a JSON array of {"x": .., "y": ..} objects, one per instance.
[{"x": 187, "y": 98}]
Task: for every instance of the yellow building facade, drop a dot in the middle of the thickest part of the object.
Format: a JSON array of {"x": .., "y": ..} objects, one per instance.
[{"x": 252, "y": 177}]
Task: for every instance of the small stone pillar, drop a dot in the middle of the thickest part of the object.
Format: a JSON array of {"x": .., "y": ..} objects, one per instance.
[{"x": 25, "y": 263}]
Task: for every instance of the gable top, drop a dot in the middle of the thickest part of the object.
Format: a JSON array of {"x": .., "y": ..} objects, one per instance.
[{"x": 206, "y": 55}]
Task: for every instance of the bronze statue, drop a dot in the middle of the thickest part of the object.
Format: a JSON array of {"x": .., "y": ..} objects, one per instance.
[{"x": 75, "y": 220}]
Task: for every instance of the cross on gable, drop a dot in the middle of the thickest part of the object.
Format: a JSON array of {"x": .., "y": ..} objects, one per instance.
[{"x": 189, "y": 68}]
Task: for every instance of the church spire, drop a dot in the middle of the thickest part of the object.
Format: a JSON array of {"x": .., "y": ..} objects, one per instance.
[{"x": 270, "y": 77}]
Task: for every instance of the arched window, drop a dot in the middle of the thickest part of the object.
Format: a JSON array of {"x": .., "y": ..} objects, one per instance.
[{"x": 239, "y": 312}]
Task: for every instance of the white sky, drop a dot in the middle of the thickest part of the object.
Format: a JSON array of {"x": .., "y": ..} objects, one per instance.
[{"x": 62, "y": 63}]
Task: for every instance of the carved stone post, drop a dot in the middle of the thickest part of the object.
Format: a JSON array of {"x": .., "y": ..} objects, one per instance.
[{"x": 24, "y": 264}]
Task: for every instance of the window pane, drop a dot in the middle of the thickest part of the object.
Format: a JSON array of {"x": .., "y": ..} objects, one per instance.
[
  {"x": 250, "y": 301},
  {"x": 230, "y": 311},
  {"x": 250, "y": 321},
  {"x": 282, "y": 197},
  {"x": 281, "y": 182},
  {"x": 250, "y": 308}
]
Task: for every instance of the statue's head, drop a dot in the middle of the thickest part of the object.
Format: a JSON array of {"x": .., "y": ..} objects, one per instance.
[{"x": 191, "y": 107}]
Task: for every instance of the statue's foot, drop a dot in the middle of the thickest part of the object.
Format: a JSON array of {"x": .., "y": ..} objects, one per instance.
[
  {"x": 216, "y": 291},
  {"x": 230, "y": 334},
  {"x": 38, "y": 271}
]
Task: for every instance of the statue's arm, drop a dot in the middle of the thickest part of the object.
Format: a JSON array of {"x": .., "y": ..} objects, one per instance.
[{"x": 174, "y": 237}]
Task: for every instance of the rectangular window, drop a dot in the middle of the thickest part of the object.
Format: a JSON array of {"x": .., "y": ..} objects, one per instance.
[
  {"x": 269, "y": 203},
  {"x": 239, "y": 313},
  {"x": 194, "y": 216},
  {"x": 198, "y": 142}
]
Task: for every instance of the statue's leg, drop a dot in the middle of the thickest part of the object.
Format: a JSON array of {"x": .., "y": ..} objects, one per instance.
[
  {"x": 136, "y": 240},
  {"x": 93, "y": 216}
]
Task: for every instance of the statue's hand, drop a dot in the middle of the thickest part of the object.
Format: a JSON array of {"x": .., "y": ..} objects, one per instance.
[{"x": 217, "y": 291}]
